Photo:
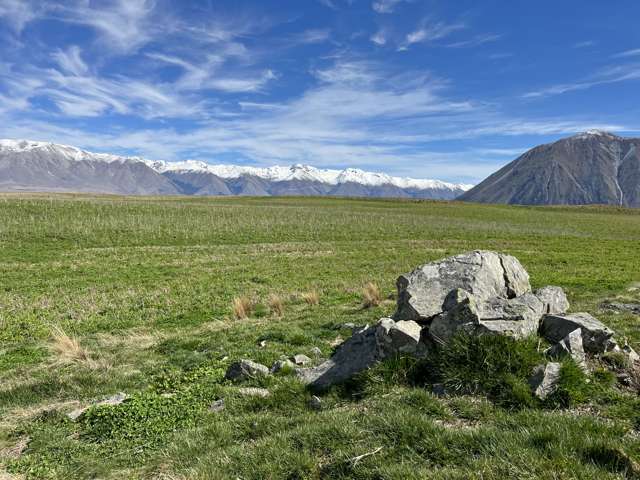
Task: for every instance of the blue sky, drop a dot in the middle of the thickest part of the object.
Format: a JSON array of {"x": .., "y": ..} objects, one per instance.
[{"x": 428, "y": 89}]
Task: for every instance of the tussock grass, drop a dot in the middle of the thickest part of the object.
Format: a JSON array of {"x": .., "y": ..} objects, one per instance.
[
  {"x": 242, "y": 307},
  {"x": 312, "y": 297},
  {"x": 276, "y": 304},
  {"x": 371, "y": 296},
  {"x": 67, "y": 349}
]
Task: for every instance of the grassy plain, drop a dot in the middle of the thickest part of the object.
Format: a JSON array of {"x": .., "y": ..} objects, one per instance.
[{"x": 102, "y": 294}]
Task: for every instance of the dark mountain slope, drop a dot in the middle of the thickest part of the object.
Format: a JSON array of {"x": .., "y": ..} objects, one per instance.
[{"x": 590, "y": 168}]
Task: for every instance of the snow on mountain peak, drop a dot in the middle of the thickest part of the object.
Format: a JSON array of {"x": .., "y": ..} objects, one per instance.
[{"x": 274, "y": 173}]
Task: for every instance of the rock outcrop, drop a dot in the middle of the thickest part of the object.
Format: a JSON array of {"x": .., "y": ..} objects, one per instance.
[
  {"x": 478, "y": 293},
  {"x": 422, "y": 293}
]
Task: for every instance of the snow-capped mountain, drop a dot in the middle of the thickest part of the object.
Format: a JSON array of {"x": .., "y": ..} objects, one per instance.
[{"x": 27, "y": 165}]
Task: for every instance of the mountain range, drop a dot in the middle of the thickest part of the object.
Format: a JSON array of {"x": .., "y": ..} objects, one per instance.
[
  {"x": 47, "y": 167},
  {"x": 594, "y": 167}
]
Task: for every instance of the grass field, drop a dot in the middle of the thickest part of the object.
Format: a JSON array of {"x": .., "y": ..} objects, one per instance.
[{"x": 100, "y": 295}]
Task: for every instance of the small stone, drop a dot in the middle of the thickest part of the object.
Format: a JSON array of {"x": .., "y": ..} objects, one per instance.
[
  {"x": 544, "y": 380},
  {"x": 279, "y": 365},
  {"x": 315, "y": 403},
  {"x": 438, "y": 389},
  {"x": 622, "y": 307},
  {"x": 116, "y": 399},
  {"x": 245, "y": 369},
  {"x": 553, "y": 299},
  {"x": 262, "y": 344},
  {"x": 300, "y": 359},
  {"x": 316, "y": 352},
  {"x": 570, "y": 345},
  {"x": 624, "y": 378},
  {"x": 631, "y": 354},
  {"x": 347, "y": 326},
  {"x": 397, "y": 337},
  {"x": 596, "y": 337},
  {"x": 254, "y": 392},
  {"x": 217, "y": 406}
]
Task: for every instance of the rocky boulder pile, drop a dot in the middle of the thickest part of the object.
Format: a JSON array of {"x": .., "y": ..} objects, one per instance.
[{"x": 480, "y": 293}]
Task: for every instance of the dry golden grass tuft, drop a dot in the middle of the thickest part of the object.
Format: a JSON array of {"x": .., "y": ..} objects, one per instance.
[
  {"x": 371, "y": 296},
  {"x": 312, "y": 297},
  {"x": 242, "y": 307},
  {"x": 69, "y": 351},
  {"x": 68, "y": 348},
  {"x": 276, "y": 304}
]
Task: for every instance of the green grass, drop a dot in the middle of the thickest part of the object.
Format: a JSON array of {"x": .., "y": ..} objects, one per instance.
[{"x": 146, "y": 285}]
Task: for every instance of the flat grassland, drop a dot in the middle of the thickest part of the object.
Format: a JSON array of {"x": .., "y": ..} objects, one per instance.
[{"x": 102, "y": 294}]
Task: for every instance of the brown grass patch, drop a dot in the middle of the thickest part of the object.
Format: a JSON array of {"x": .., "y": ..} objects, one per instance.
[
  {"x": 242, "y": 307},
  {"x": 371, "y": 296},
  {"x": 68, "y": 348},
  {"x": 312, "y": 297},
  {"x": 276, "y": 304}
]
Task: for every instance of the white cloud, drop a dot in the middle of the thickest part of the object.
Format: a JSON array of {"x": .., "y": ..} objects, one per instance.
[
  {"x": 429, "y": 32},
  {"x": 230, "y": 84},
  {"x": 385, "y": 6},
  {"x": 475, "y": 41},
  {"x": 584, "y": 44},
  {"x": 18, "y": 13},
  {"x": 70, "y": 60},
  {"x": 123, "y": 24},
  {"x": 317, "y": 35},
  {"x": 615, "y": 74},
  {"x": 379, "y": 38},
  {"x": 629, "y": 53}
]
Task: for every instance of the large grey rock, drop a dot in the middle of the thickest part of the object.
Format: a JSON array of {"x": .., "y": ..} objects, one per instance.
[
  {"x": 362, "y": 350},
  {"x": 544, "y": 380},
  {"x": 485, "y": 274},
  {"x": 553, "y": 298},
  {"x": 516, "y": 317},
  {"x": 354, "y": 355},
  {"x": 245, "y": 369},
  {"x": 570, "y": 345},
  {"x": 596, "y": 337}
]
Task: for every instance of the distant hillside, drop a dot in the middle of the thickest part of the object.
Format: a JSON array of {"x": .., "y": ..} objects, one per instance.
[
  {"x": 590, "y": 168},
  {"x": 38, "y": 166}
]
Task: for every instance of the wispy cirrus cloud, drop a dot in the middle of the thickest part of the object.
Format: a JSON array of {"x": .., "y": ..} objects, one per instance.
[
  {"x": 628, "y": 53},
  {"x": 123, "y": 25},
  {"x": 428, "y": 32},
  {"x": 385, "y": 6},
  {"x": 15, "y": 14},
  {"x": 476, "y": 41},
  {"x": 379, "y": 38},
  {"x": 609, "y": 75},
  {"x": 585, "y": 44}
]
